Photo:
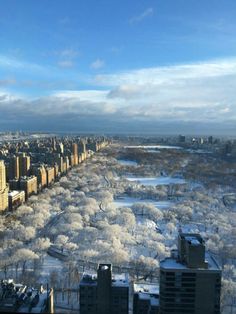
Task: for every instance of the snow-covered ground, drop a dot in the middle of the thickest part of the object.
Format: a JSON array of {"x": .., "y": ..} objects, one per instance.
[
  {"x": 129, "y": 201},
  {"x": 156, "y": 180},
  {"x": 154, "y": 147},
  {"x": 125, "y": 162},
  {"x": 50, "y": 264}
]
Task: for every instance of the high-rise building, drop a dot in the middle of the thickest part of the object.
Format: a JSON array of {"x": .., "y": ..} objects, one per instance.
[
  {"x": 75, "y": 149},
  {"x": 50, "y": 175},
  {"x": 3, "y": 187},
  {"x": 24, "y": 164},
  {"x": 40, "y": 172},
  {"x": 104, "y": 293},
  {"x": 81, "y": 147},
  {"x": 2, "y": 175},
  {"x": 181, "y": 139},
  {"x": 13, "y": 168},
  {"x": 190, "y": 280},
  {"x": 75, "y": 154}
]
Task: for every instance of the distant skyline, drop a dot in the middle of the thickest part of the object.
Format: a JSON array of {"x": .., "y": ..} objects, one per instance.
[{"x": 138, "y": 66}]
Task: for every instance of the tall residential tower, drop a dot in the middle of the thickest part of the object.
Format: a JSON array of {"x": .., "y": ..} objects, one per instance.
[
  {"x": 190, "y": 281},
  {"x": 3, "y": 187}
]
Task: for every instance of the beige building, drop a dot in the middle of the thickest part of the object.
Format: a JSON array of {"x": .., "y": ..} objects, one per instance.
[
  {"x": 56, "y": 171},
  {"x": 50, "y": 175},
  {"x": 16, "y": 198},
  {"x": 29, "y": 185},
  {"x": 3, "y": 187},
  {"x": 41, "y": 174},
  {"x": 75, "y": 154},
  {"x": 59, "y": 161},
  {"x": 72, "y": 160}
]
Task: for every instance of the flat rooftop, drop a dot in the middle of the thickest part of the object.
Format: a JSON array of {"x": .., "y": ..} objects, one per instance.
[
  {"x": 146, "y": 288},
  {"x": 173, "y": 263},
  {"x": 148, "y": 292},
  {"x": 14, "y": 193},
  {"x": 120, "y": 280}
]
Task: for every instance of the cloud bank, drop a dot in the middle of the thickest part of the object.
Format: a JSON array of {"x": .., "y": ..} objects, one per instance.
[{"x": 173, "y": 98}]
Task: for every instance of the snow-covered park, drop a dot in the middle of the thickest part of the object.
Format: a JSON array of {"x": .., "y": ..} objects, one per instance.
[{"x": 106, "y": 210}]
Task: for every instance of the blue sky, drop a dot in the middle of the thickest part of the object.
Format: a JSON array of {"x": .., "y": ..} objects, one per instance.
[{"x": 118, "y": 64}]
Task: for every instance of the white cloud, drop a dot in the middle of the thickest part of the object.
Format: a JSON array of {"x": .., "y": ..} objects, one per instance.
[
  {"x": 97, "y": 64},
  {"x": 68, "y": 53},
  {"x": 12, "y": 63},
  {"x": 66, "y": 64},
  {"x": 200, "y": 93},
  {"x": 138, "y": 18}
]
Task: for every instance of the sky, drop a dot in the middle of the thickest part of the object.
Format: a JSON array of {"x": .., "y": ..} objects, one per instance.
[{"x": 151, "y": 66}]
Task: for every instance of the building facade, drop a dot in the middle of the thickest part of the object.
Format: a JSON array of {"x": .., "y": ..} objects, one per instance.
[
  {"x": 14, "y": 168},
  {"x": 16, "y": 198},
  {"x": 146, "y": 299},
  {"x": 104, "y": 293},
  {"x": 29, "y": 185},
  {"x": 24, "y": 165},
  {"x": 190, "y": 280},
  {"x": 3, "y": 187}
]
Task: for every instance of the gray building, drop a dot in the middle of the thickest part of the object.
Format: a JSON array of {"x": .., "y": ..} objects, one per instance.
[
  {"x": 104, "y": 293},
  {"x": 190, "y": 280},
  {"x": 146, "y": 298}
]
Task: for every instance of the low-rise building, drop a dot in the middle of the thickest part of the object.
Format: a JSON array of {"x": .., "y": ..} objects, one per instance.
[
  {"x": 20, "y": 298},
  {"x": 29, "y": 185},
  {"x": 146, "y": 299},
  {"x": 16, "y": 198}
]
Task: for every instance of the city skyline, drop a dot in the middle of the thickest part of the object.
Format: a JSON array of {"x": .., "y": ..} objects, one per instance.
[{"x": 154, "y": 66}]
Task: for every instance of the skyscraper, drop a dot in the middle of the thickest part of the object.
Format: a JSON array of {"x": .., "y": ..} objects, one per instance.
[
  {"x": 24, "y": 162},
  {"x": 104, "y": 293},
  {"x": 190, "y": 280},
  {"x": 14, "y": 168},
  {"x": 3, "y": 187}
]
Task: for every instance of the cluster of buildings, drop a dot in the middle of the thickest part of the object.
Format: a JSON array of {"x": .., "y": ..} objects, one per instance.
[
  {"x": 190, "y": 283},
  {"x": 19, "y": 298},
  {"x": 27, "y": 167}
]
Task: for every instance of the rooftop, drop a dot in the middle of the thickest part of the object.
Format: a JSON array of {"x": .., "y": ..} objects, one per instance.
[
  {"x": 148, "y": 292},
  {"x": 174, "y": 263},
  {"x": 14, "y": 193},
  {"x": 120, "y": 280},
  {"x": 146, "y": 288},
  {"x": 19, "y": 298}
]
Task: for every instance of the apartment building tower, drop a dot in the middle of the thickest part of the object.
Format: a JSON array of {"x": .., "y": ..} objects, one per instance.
[
  {"x": 190, "y": 280},
  {"x": 3, "y": 187},
  {"x": 104, "y": 293},
  {"x": 14, "y": 168},
  {"x": 24, "y": 165}
]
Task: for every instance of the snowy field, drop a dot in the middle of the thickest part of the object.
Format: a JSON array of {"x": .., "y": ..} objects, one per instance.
[
  {"x": 130, "y": 201},
  {"x": 89, "y": 217},
  {"x": 156, "y": 181},
  {"x": 125, "y": 162}
]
